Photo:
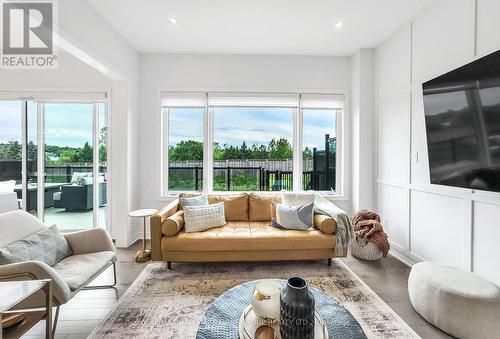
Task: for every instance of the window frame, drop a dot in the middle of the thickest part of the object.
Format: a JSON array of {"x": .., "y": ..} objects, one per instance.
[{"x": 208, "y": 139}]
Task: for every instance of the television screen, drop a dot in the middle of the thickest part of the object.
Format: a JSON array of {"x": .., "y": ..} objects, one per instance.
[{"x": 462, "y": 117}]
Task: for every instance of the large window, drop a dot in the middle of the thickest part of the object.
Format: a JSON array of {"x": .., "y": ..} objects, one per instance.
[
  {"x": 319, "y": 149},
  {"x": 253, "y": 149},
  {"x": 185, "y": 149},
  {"x": 250, "y": 142}
]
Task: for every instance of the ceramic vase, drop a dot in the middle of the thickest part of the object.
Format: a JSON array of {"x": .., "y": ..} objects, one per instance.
[
  {"x": 266, "y": 301},
  {"x": 296, "y": 310}
]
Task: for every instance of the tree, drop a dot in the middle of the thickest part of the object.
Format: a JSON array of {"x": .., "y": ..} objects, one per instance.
[
  {"x": 86, "y": 154},
  {"x": 307, "y": 153},
  {"x": 280, "y": 149},
  {"x": 32, "y": 150},
  {"x": 103, "y": 153},
  {"x": 186, "y": 150},
  {"x": 244, "y": 151},
  {"x": 14, "y": 150}
]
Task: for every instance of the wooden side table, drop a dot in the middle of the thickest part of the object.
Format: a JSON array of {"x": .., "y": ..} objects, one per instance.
[
  {"x": 12, "y": 293},
  {"x": 144, "y": 254}
]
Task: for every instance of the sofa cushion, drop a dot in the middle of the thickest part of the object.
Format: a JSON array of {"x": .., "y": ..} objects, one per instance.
[
  {"x": 235, "y": 206},
  {"x": 259, "y": 206},
  {"x": 173, "y": 224},
  {"x": 202, "y": 218},
  {"x": 297, "y": 198},
  {"x": 200, "y": 200},
  {"x": 78, "y": 270},
  {"x": 248, "y": 236},
  {"x": 325, "y": 223},
  {"x": 187, "y": 195},
  {"x": 48, "y": 246}
]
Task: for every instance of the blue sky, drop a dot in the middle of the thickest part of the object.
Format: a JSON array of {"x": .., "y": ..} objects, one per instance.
[
  {"x": 66, "y": 124},
  {"x": 252, "y": 125},
  {"x": 71, "y": 124}
]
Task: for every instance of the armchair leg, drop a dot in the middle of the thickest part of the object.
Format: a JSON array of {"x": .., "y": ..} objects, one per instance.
[
  {"x": 103, "y": 286},
  {"x": 169, "y": 265},
  {"x": 56, "y": 318},
  {"x": 329, "y": 261}
]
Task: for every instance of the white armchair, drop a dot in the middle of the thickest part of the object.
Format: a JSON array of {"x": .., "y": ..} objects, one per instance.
[{"x": 93, "y": 252}]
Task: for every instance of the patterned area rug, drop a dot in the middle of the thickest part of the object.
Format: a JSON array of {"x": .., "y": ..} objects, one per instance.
[{"x": 170, "y": 304}]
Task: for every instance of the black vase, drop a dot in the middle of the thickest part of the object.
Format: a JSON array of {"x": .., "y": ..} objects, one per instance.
[{"x": 296, "y": 310}]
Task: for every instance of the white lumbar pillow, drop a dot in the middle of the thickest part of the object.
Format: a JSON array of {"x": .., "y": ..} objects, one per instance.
[
  {"x": 297, "y": 199},
  {"x": 201, "y": 218}
]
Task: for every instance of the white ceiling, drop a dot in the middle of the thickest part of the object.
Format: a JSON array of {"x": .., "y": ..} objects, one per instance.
[{"x": 280, "y": 27}]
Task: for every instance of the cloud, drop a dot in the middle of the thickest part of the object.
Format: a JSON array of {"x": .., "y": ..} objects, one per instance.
[{"x": 232, "y": 126}]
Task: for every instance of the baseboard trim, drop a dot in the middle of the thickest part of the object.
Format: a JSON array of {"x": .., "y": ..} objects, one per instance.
[
  {"x": 133, "y": 238},
  {"x": 404, "y": 256}
]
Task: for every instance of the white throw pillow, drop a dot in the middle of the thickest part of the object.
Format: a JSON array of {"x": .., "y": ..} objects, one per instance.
[
  {"x": 201, "y": 218},
  {"x": 297, "y": 199}
]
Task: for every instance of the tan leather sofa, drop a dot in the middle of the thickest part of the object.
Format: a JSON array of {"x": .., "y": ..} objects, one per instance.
[{"x": 247, "y": 236}]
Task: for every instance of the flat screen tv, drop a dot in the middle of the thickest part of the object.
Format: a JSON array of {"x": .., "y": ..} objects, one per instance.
[{"x": 462, "y": 118}]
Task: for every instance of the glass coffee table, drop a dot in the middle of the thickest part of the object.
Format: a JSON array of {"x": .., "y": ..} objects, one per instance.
[{"x": 221, "y": 319}]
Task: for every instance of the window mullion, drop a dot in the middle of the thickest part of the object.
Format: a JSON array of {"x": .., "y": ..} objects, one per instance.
[
  {"x": 339, "y": 157},
  {"x": 208, "y": 150},
  {"x": 164, "y": 156},
  {"x": 297, "y": 150}
]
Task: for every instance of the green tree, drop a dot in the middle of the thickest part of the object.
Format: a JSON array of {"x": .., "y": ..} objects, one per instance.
[
  {"x": 218, "y": 151},
  {"x": 280, "y": 149},
  {"x": 103, "y": 153},
  {"x": 32, "y": 150},
  {"x": 186, "y": 150},
  {"x": 14, "y": 150},
  {"x": 86, "y": 153},
  {"x": 307, "y": 153}
]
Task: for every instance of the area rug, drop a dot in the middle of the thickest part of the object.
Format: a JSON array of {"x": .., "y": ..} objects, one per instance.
[{"x": 164, "y": 303}]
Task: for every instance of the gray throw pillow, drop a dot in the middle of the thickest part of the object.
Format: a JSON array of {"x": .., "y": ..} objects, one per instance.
[
  {"x": 48, "y": 246},
  {"x": 293, "y": 217},
  {"x": 200, "y": 200}
]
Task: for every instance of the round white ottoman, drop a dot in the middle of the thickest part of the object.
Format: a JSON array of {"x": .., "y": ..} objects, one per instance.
[{"x": 458, "y": 302}]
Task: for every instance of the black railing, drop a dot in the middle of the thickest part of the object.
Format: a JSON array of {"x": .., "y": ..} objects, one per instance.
[{"x": 248, "y": 179}]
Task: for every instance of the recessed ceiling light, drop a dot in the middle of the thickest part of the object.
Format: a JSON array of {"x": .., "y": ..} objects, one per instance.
[
  {"x": 173, "y": 21},
  {"x": 339, "y": 24}
]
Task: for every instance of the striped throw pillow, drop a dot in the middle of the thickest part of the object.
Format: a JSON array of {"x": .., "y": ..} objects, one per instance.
[{"x": 201, "y": 218}]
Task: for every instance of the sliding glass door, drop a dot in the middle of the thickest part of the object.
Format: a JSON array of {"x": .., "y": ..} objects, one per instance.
[
  {"x": 11, "y": 146},
  {"x": 62, "y": 149},
  {"x": 68, "y": 164}
]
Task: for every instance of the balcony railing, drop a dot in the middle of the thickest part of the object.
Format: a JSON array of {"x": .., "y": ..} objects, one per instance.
[{"x": 248, "y": 179}]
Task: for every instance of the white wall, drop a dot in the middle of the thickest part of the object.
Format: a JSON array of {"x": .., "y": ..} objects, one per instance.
[
  {"x": 223, "y": 72},
  {"x": 362, "y": 115},
  {"x": 424, "y": 221},
  {"x": 91, "y": 39}
]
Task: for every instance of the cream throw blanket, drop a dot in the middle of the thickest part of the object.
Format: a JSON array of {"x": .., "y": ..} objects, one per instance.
[{"x": 345, "y": 231}]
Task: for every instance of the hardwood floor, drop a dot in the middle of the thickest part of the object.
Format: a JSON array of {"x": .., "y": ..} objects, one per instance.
[{"x": 387, "y": 277}]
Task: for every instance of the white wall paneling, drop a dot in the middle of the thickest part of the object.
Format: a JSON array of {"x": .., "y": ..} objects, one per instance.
[
  {"x": 424, "y": 221},
  {"x": 438, "y": 228},
  {"x": 485, "y": 241},
  {"x": 393, "y": 206},
  {"x": 393, "y": 141}
]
